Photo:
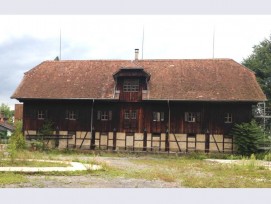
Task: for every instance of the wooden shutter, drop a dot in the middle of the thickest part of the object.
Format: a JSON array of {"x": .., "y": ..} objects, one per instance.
[
  {"x": 98, "y": 115},
  {"x": 186, "y": 116},
  {"x": 162, "y": 116},
  {"x": 109, "y": 115},
  {"x": 197, "y": 117}
]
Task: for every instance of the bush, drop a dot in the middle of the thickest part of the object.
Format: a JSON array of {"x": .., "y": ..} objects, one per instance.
[
  {"x": 16, "y": 141},
  {"x": 247, "y": 137},
  {"x": 17, "y": 138}
]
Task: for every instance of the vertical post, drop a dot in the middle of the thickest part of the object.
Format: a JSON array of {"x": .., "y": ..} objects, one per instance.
[
  {"x": 186, "y": 142},
  {"x": 114, "y": 138},
  {"x": 92, "y": 142},
  {"x": 145, "y": 140},
  {"x": 167, "y": 141},
  {"x": 57, "y": 137},
  {"x": 207, "y": 141},
  {"x": 68, "y": 141}
]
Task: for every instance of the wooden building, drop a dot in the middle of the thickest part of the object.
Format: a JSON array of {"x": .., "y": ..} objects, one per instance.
[{"x": 149, "y": 105}]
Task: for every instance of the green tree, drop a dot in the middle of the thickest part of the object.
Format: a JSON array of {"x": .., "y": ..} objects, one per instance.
[
  {"x": 260, "y": 62},
  {"x": 247, "y": 137},
  {"x": 5, "y": 110}
]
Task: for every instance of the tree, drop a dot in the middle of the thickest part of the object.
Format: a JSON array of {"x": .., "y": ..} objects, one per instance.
[
  {"x": 247, "y": 137},
  {"x": 5, "y": 110},
  {"x": 260, "y": 62}
]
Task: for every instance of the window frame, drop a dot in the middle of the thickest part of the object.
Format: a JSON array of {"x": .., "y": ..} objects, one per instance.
[
  {"x": 192, "y": 117},
  {"x": 158, "y": 116},
  {"x": 131, "y": 85},
  {"x": 228, "y": 118},
  {"x": 104, "y": 115},
  {"x": 41, "y": 114},
  {"x": 71, "y": 115}
]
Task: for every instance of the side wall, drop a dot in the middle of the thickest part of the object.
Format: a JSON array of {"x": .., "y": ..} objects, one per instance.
[{"x": 208, "y": 132}]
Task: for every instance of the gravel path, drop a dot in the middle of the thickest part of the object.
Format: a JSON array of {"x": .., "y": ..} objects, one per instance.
[{"x": 88, "y": 181}]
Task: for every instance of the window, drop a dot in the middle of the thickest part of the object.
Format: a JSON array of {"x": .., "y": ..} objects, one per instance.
[
  {"x": 42, "y": 114},
  {"x": 192, "y": 117},
  {"x": 130, "y": 114},
  {"x": 71, "y": 115},
  {"x": 127, "y": 115},
  {"x": 133, "y": 114},
  {"x": 158, "y": 116},
  {"x": 104, "y": 115},
  {"x": 131, "y": 85},
  {"x": 228, "y": 118}
]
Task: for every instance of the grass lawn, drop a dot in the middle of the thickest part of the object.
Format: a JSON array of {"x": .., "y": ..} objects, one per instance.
[
  {"x": 185, "y": 171},
  {"x": 25, "y": 163},
  {"x": 195, "y": 173}
]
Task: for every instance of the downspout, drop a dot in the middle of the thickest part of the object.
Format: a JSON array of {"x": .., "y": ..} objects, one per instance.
[
  {"x": 91, "y": 118},
  {"x": 168, "y": 116}
]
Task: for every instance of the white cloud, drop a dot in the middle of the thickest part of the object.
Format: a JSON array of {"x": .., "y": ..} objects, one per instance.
[{"x": 29, "y": 40}]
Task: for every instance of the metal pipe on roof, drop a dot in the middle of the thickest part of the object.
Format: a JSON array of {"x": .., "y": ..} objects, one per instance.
[{"x": 136, "y": 54}]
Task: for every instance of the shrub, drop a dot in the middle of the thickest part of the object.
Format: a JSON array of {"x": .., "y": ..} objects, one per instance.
[
  {"x": 46, "y": 129},
  {"x": 247, "y": 137},
  {"x": 17, "y": 138},
  {"x": 17, "y": 141}
]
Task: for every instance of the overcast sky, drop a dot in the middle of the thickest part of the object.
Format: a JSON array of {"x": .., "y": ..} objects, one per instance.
[{"x": 26, "y": 41}]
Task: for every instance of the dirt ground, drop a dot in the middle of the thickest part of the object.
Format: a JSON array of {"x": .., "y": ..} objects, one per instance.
[{"x": 94, "y": 181}]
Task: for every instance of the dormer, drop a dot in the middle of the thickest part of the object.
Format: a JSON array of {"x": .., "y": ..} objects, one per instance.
[{"x": 131, "y": 81}]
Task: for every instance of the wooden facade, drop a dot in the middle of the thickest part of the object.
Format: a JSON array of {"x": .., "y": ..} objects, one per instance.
[
  {"x": 137, "y": 117},
  {"x": 131, "y": 108}
]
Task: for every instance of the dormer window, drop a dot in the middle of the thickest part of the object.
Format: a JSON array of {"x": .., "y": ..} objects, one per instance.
[{"x": 131, "y": 85}]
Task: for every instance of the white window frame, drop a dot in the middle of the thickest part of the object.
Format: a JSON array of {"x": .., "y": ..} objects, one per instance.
[
  {"x": 131, "y": 85},
  {"x": 41, "y": 114},
  {"x": 104, "y": 115},
  {"x": 127, "y": 114},
  {"x": 71, "y": 115},
  {"x": 191, "y": 117},
  {"x": 133, "y": 114},
  {"x": 228, "y": 118},
  {"x": 158, "y": 116}
]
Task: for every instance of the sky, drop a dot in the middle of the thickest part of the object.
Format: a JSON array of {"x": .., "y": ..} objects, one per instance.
[{"x": 28, "y": 40}]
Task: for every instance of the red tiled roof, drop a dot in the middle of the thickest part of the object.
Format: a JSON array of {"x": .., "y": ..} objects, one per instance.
[{"x": 193, "y": 80}]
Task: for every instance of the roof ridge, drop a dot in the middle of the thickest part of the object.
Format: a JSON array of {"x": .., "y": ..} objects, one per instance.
[{"x": 139, "y": 60}]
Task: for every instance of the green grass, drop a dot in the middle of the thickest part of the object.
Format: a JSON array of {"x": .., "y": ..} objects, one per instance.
[
  {"x": 12, "y": 178},
  {"x": 190, "y": 170},
  {"x": 194, "y": 173},
  {"x": 24, "y": 163}
]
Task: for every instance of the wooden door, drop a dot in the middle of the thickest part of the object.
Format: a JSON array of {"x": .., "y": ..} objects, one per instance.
[{"x": 130, "y": 119}]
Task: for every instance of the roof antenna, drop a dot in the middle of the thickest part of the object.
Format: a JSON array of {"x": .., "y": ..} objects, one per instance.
[
  {"x": 214, "y": 42},
  {"x": 60, "y": 45},
  {"x": 143, "y": 42}
]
